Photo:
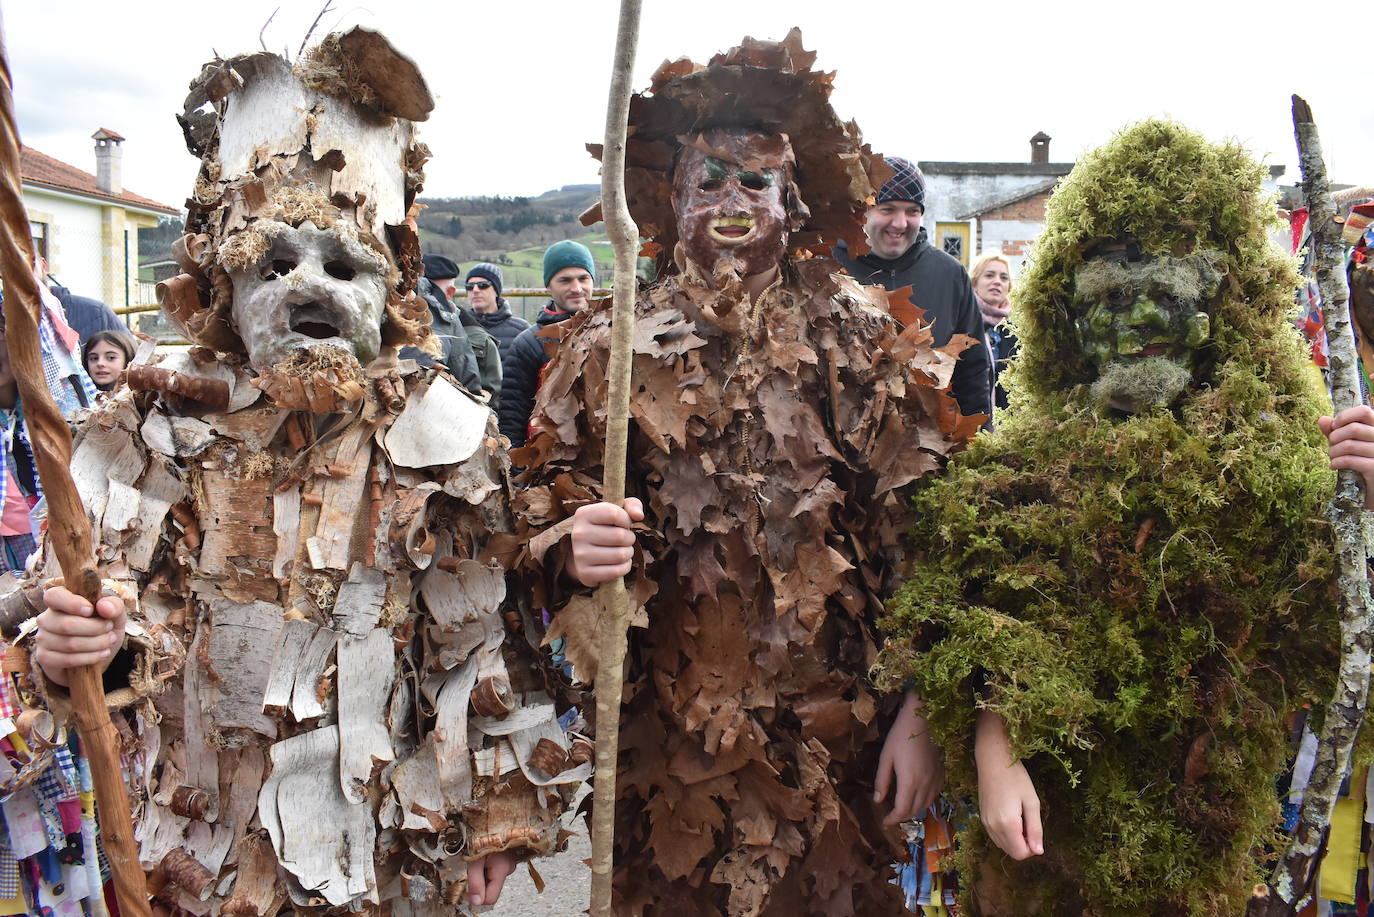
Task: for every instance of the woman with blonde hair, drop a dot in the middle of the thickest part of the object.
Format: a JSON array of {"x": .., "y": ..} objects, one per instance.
[{"x": 991, "y": 276}]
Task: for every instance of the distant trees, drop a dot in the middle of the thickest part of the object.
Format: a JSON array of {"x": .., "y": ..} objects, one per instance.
[{"x": 483, "y": 228}]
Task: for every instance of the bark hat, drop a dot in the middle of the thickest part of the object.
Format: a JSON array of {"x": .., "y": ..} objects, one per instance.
[
  {"x": 764, "y": 86},
  {"x": 298, "y": 142}
]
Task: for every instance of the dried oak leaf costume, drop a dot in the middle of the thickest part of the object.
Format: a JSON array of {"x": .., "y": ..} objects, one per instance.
[
  {"x": 772, "y": 442},
  {"x": 326, "y": 708},
  {"x": 1144, "y": 598}
]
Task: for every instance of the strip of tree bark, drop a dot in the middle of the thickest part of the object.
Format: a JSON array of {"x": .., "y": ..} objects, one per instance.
[
  {"x": 69, "y": 530},
  {"x": 624, "y": 236},
  {"x": 1293, "y": 876}
]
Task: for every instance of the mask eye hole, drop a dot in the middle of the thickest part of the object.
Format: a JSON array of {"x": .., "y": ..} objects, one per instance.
[
  {"x": 711, "y": 185},
  {"x": 753, "y": 181},
  {"x": 279, "y": 267},
  {"x": 1168, "y": 301},
  {"x": 339, "y": 270},
  {"x": 1120, "y": 299}
]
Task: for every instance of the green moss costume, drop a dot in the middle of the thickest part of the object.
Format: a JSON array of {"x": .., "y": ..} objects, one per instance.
[{"x": 1144, "y": 598}]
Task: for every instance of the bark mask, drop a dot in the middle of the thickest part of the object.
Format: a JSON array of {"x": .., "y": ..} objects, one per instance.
[
  {"x": 310, "y": 287},
  {"x": 731, "y": 190}
]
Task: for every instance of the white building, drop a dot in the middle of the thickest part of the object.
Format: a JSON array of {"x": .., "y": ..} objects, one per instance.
[
  {"x": 973, "y": 207},
  {"x": 87, "y": 225}
]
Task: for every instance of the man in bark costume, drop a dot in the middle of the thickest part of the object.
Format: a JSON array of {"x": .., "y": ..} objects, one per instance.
[
  {"x": 1120, "y": 595},
  {"x": 325, "y": 708},
  {"x": 780, "y": 411}
]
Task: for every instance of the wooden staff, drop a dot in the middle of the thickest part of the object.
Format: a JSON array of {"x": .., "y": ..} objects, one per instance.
[
  {"x": 1292, "y": 878},
  {"x": 624, "y": 236},
  {"x": 69, "y": 532}
]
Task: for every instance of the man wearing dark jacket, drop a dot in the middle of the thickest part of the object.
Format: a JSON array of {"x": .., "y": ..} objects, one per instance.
[
  {"x": 901, "y": 256},
  {"x": 570, "y": 275},
  {"x": 451, "y": 320},
  {"x": 483, "y": 284}
]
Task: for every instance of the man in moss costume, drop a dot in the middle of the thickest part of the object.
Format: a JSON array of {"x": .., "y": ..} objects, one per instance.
[{"x": 1125, "y": 589}]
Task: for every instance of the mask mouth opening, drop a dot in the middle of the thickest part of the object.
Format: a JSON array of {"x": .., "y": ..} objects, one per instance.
[
  {"x": 732, "y": 229},
  {"x": 314, "y": 320}
]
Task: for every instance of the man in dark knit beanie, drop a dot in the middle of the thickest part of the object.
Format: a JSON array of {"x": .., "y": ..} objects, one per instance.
[
  {"x": 569, "y": 274},
  {"x": 470, "y": 353},
  {"x": 902, "y": 256},
  {"x": 484, "y": 283}
]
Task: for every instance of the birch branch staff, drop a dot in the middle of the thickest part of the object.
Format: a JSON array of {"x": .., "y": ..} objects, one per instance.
[
  {"x": 1292, "y": 878},
  {"x": 624, "y": 238},
  {"x": 67, "y": 523}
]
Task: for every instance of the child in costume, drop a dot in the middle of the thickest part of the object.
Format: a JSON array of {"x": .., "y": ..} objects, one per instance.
[
  {"x": 325, "y": 706},
  {"x": 1120, "y": 594},
  {"x": 780, "y": 413}
]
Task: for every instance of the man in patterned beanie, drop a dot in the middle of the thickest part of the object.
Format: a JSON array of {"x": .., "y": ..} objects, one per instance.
[{"x": 901, "y": 256}]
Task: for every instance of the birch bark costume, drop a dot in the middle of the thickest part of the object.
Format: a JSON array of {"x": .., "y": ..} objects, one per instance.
[
  {"x": 326, "y": 708},
  {"x": 772, "y": 437},
  {"x": 1133, "y": 570}
]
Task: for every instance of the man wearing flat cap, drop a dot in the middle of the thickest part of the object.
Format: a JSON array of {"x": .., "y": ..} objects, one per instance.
[
  {"x": 452, "y": 322},
  {"x": 902, "y": 256}
]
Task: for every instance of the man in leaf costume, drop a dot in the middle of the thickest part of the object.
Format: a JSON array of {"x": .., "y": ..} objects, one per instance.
[
  {"x": 1120, "y": 595},
  {"x": 780, "y": 411}
]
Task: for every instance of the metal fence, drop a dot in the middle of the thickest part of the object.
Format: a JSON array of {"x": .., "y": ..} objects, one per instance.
[{"x": 138, "y": 315}]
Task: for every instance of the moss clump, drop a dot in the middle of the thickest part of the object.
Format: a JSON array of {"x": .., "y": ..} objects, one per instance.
[{"x": 1143, "y": 598}]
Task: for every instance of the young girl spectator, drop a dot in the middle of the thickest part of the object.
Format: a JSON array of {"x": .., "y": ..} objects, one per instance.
[{"x": 105, "y": 355}]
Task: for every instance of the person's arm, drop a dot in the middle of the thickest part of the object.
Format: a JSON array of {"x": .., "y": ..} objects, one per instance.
[
  {"x": 1007, "y": 801},
  {"x": 1350, "y": 442},
  {"x": 911, "y": 765},
  {"x": 518, "y": 387}
]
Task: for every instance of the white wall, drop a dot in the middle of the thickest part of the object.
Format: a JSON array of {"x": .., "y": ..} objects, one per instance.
[
  {"x": 74, "y": 243},
  {"x": 949, "y": 197},
  {"x": 1012, "y": 238}
]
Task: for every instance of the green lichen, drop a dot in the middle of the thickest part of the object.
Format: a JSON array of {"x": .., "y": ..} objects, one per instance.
[{"x": 1134, "y": 593}]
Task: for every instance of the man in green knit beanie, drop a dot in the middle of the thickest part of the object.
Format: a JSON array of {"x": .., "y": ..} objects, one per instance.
[{"x": 569, "y": 274}]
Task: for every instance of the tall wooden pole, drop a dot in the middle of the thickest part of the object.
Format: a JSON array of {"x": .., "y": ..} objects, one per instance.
[
  {"x": 1292, "y": 879},
  {"x": 68, "y": 529},
  {"x": 624, "y": 236}
]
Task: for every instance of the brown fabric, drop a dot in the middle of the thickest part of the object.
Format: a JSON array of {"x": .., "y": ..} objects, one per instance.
[{"x": 749, "y": 732}]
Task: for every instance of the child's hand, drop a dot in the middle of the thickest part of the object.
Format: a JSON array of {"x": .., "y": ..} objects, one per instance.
[
  {"x": 71, "y": 635},
  {"x": 487, "y": 876},
  {"x": 1350, "y": 438},
  {"x": 914, "y": 760},
  {"x": 602, "y": 541},
  {"x": 1007, "y": 802}
]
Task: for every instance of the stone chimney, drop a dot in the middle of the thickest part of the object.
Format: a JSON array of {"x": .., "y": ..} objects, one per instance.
[
  {"x": 1040, "y": 147},
  {"x": 109, "y": 171}
]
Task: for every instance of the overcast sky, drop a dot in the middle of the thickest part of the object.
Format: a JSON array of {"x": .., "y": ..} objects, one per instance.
[{"x": 520, "y": 85}]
